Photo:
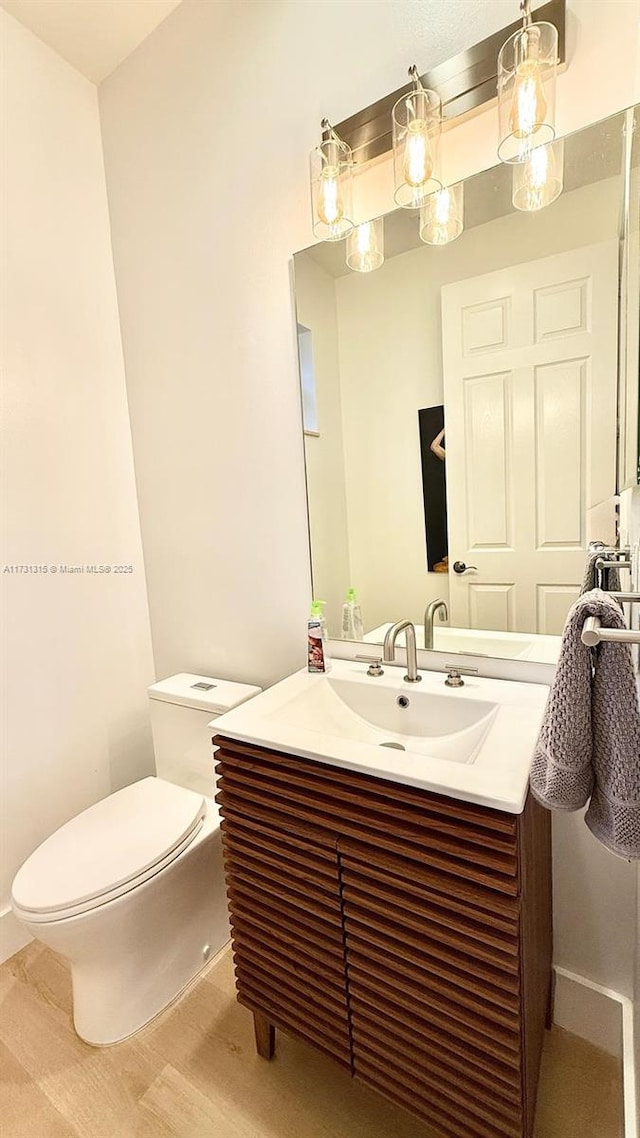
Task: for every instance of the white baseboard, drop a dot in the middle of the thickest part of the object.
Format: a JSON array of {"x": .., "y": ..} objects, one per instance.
[
  {"x": 606, "y": 1019},
  {"x": 588, "y": 1013},
  {"x": 13, "y": 935}
]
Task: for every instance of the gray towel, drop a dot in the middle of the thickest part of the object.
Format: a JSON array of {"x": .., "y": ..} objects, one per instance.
[
  {"x": 611, "y": 576},
  {"x": 589, "y": 743}
]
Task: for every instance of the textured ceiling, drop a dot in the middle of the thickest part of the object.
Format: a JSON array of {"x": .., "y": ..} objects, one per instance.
[{"x": 94, "y": 36}]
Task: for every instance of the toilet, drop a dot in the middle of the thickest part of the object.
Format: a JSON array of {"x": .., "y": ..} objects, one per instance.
[{"x": 131, "y": 891}]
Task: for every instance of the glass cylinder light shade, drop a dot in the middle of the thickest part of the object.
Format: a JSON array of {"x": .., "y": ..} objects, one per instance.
[
  {"x": 331, "y": 190},
  {"x": 365, "y": 246},
  {"x": 417, "y": 125},
  {"x": 442, "y": 215},
  {"x": 527, "y": 66},
  {"x": 538, "y": 181}
]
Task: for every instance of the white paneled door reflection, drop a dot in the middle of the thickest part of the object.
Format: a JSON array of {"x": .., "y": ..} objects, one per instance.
[{"x": 530, "y": 366}]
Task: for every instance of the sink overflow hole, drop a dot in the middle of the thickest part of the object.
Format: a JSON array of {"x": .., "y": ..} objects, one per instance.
[
  {"x": 394, "y": 746},
  {"x": 403, "y": 701}
]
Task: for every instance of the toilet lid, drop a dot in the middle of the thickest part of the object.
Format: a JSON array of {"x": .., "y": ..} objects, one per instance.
[{"x": 108, "y": 846}]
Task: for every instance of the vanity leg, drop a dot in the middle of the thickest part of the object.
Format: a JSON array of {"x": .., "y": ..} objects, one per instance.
[{"x": 265, "y": 1035}]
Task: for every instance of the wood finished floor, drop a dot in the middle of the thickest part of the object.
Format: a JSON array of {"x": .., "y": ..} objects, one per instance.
[{"x": 194, "y": 1074}]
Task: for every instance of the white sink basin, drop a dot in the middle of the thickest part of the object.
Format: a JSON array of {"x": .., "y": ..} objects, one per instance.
[
  {"x": 474, "y": 742},
  {"x": 425, "y": 721}
]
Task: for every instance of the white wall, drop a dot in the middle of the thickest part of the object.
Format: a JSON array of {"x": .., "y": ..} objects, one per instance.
[
  {"x": 324, "y": 452},
  {"x": 206, "y": 130},
  {"x": 76, "y": 649},
  {"x": 390, "y": 343}
]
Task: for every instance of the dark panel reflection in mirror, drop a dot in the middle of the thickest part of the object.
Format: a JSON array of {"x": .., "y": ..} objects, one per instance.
[
  {"x": 514, "y": 329},
  {"x": 434, "y": 487}
]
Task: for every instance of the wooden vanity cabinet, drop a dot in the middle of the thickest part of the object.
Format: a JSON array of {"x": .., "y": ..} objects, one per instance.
[{"x": 405, "y": 934}]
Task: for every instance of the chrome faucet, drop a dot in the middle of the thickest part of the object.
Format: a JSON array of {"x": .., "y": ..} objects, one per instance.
[
  {"x": 429, "y": 613},
  {"x": 389, "y": 649}
]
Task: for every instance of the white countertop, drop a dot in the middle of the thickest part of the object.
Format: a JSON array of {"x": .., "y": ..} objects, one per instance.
[{"x": 303, "y": 715}]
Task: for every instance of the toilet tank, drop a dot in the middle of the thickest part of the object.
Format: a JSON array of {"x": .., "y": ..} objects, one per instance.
[{"x": 181, "y": 708}]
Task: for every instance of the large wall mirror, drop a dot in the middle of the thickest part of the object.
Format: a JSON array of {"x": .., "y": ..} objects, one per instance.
[{"x": 471, "y": 410}]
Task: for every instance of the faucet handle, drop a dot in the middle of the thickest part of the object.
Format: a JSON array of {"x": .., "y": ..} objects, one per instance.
[
  {"x": 455, "y": 672},
  {"x": 374, "y": 663}
]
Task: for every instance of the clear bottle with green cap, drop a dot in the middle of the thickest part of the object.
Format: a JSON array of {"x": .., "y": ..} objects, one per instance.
[{"x": 352, "y": 623}]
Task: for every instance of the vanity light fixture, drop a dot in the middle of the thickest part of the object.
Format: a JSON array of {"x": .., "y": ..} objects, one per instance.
[
  {"x": 331, "y": 165},
  {"x": 442, "y": 215},
  {"x": 538, "y": 181},
  {"x": 527, "y": 66},
  {"x": 416, "y": 129},
  {"x": 365, "y": 246}
]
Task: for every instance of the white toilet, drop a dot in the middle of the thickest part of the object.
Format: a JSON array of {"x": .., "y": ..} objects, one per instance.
[{"x": 131, "y": 891}]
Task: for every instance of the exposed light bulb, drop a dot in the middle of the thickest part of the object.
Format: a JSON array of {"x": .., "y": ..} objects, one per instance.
[
  {"x": 538, "y": 180},
  {"x": 330, "y": 204},
  {"x": 528, "y": 106},
  {"x": 443, "y": 206},
  {"x": 416, "y": 124},
  {"x": 365, "y": 246},
  {"x": 331, "y": 183},
  {"x": 363, "y": 237},
  {"x": 441, "y": 217},
  {"x": 540, "y": 169},
  {"x": 418, "y": 160}
]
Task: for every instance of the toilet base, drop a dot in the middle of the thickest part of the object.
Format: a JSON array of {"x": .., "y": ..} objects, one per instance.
[
  {"x": 211, "y": 963},
  {"x": 132, "y": 957}
]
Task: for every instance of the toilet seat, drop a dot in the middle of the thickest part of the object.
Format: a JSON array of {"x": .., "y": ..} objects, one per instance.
[{"x": 107, "y": 850}]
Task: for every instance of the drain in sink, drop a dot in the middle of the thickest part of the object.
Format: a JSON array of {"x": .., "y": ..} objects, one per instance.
[{"x": 394, "y": 746}]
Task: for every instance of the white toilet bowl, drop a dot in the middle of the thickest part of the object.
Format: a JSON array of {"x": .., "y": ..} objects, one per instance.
[{"x": 131, "y": 892}]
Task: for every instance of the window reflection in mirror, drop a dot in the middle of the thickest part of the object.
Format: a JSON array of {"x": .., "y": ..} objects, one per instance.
[{"x": 307, "y": 381}]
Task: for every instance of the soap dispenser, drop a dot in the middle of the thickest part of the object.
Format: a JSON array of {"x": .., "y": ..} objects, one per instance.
[
  {"x": 352, "y": 623},
  {"x": 317, "y": 639}
]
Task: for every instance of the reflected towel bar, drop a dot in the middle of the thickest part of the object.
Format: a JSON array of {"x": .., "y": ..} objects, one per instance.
[
  {"x": 593, "y": 633},
  {"x": 609, "y": 563},
  {"x": 609, "y": 550}
]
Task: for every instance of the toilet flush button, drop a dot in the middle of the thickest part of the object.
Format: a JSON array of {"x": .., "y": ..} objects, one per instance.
[{"x": 203, "y": 687}]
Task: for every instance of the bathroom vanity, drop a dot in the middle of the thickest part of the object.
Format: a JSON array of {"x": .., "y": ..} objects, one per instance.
[{"x": 404, "y": 932}]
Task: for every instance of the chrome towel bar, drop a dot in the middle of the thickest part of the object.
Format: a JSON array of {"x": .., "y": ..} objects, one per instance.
[{"x": 593, "y": 633}]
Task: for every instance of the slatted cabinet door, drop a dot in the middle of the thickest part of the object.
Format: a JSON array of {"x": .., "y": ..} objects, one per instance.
[
  {"x": 283, "y": 890},
  {"x": 440, "y": 967},
  {"x": 406, "y": 934}
]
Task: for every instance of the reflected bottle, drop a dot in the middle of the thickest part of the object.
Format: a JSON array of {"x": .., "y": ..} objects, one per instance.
[{"x": 352, "y": 623}]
